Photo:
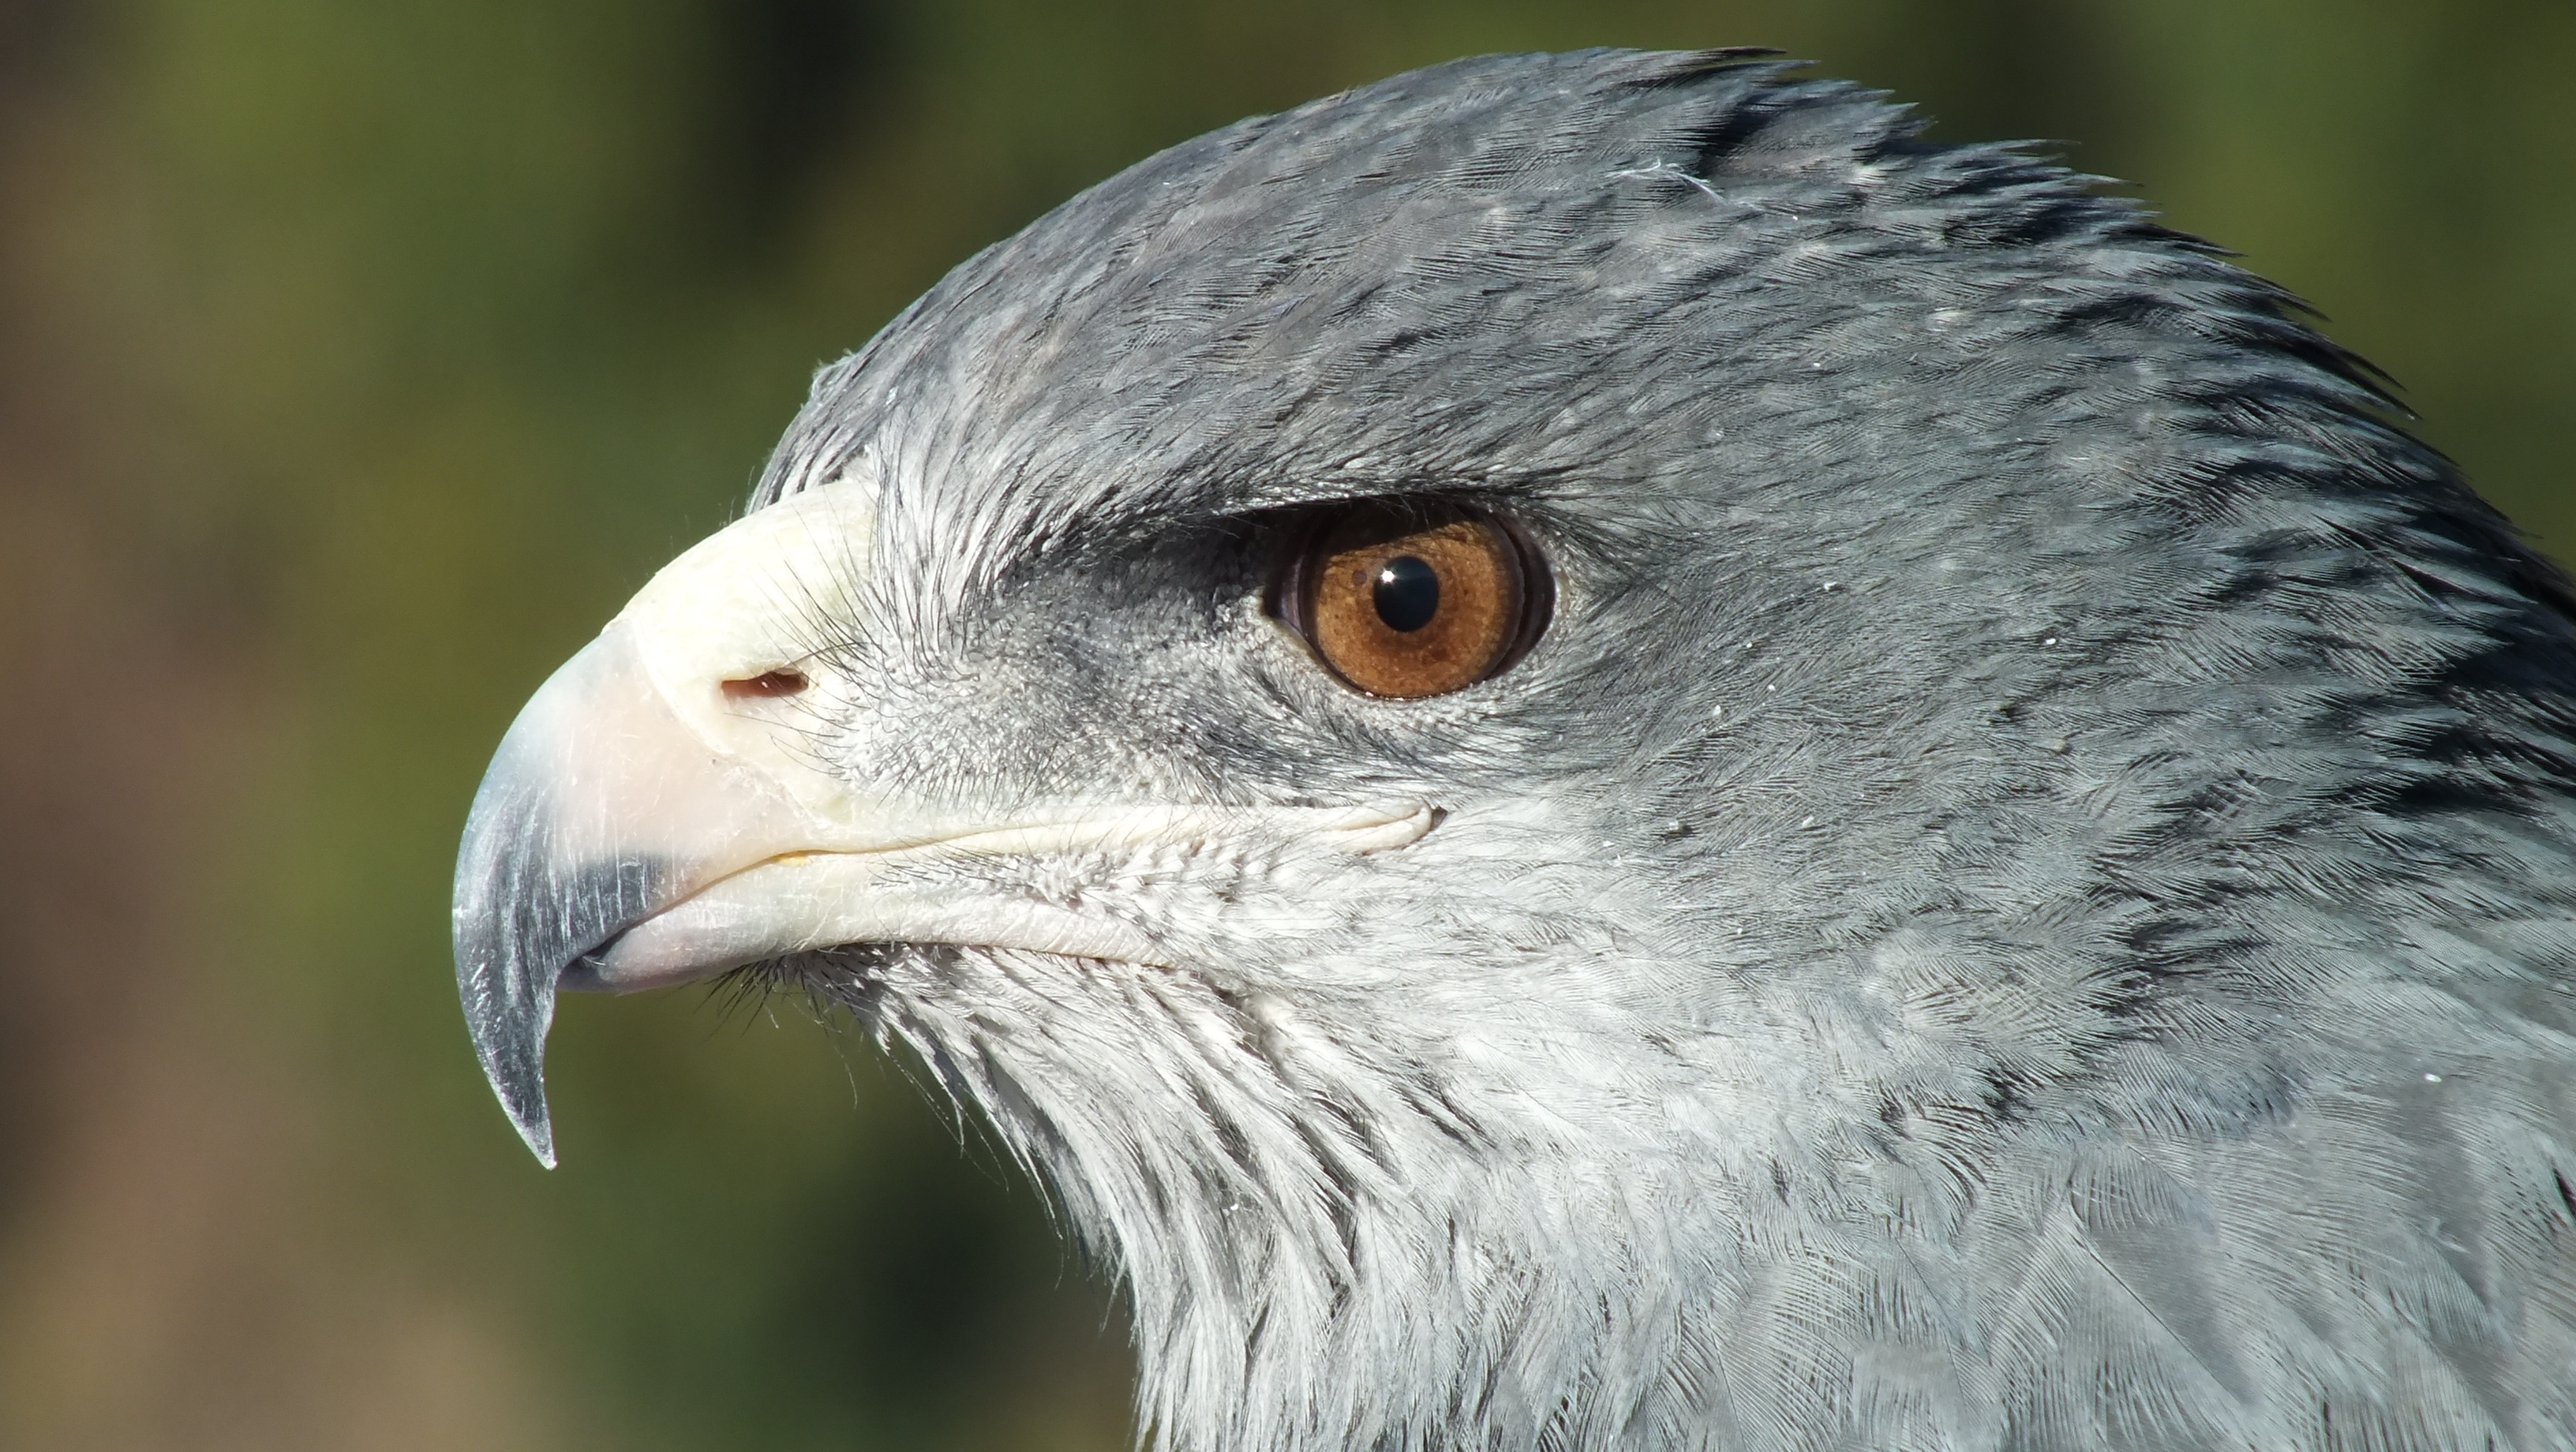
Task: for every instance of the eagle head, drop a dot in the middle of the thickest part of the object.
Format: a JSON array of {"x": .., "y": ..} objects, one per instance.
[{"x": 1592, "y": 752}]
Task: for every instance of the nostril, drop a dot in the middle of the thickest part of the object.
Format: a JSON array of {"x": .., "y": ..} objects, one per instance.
[{"x": 767, "y": 683}]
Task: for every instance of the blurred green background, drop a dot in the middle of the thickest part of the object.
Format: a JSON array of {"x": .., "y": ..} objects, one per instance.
[{"x": 358, "y": 359}]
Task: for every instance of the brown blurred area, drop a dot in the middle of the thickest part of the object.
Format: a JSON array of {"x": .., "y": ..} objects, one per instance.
[
  {"x": 148, "y": 1159},
  {"x": 357, "y": 361}
]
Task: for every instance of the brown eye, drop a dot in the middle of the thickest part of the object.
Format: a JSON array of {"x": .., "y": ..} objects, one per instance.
[{"x": 1403, "y": 606}]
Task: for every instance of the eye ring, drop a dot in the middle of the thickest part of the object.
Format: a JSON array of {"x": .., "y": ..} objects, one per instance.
[{"x": 1408, "y": 602}]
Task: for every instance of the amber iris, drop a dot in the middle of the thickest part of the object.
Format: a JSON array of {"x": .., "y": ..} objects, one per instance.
[{"x": 1406, "y": 607}]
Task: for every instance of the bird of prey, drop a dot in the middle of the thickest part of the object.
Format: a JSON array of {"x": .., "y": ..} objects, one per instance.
[{"x": 1594, "y": 752}]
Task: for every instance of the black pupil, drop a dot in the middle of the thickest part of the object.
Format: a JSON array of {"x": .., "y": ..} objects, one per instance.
[{"x": 1407, "y": 594}]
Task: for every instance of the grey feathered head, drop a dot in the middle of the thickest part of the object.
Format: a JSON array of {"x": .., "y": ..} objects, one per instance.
[{"x": 1595, "y": 753}]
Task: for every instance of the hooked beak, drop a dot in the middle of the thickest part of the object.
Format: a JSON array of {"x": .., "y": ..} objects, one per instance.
[
  {"x": 649, "y": 820},
  {"x": 633, "y": 778},
  {"x": 600, "y": 810}
]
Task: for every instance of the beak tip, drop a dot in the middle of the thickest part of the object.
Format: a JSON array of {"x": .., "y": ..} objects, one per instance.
[
  {"x": 509, "y": 1035},
  {"x": 519, "y": 1083},
  {"x": 529, "y": 1116},
  {"x": 541, "y": 1141}
]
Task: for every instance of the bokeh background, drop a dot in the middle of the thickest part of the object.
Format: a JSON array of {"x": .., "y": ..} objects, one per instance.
[{"x": 359, "y": 357}]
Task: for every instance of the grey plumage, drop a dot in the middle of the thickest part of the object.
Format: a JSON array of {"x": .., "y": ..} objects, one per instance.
[{"x": 2024, "y": 901}]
